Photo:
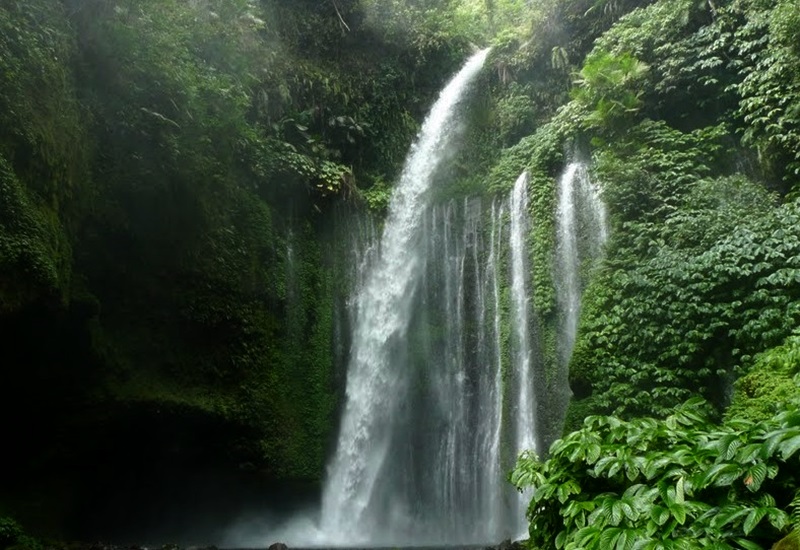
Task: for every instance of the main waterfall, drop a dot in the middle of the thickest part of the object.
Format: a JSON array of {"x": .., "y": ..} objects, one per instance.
[
  {"x": 446, "y": 354},
  {"x": 358, "y": 503},
  {"x": 448, "y": 377}
]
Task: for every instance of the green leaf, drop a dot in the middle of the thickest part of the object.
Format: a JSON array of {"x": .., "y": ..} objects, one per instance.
[
  {"x": 728, "y": 515},
  {"x": 778, "y": 518},
  {"x": 771, "y": 442},
  {"x": 789, "y": 447},
  {"x": 593, "y": 453},
  {"x": 659, "y": 514},
  {"x": 748, "y": 453},
  {"x": 719, "y": 475},
  {"x": 755, "y": 476},
  {"x": 616, "y": 513},
  {"x": 629, "y": 511},
  {"x": 678, "y": 512},
  {"x": 608, "y": 538},
  {"x": 753, "y": 519},
  {"x": 747, "y": 544}
]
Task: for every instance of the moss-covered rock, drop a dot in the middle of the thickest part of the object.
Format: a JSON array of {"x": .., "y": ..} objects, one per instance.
[
  {"x": 35, "y": 257},
  {"x": 774, "y": 378},
  {"x": 789, "y": 542}
]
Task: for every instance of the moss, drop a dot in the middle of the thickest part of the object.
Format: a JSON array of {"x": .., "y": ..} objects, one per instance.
[
  {"x": 34, "y": 253},
  {"x": 577, "y": 412},
  {"x": 774, "y": 378},
  {"x": 789, "y": 542},
  {"x": 43, "y": 135},
  {"x": 542, "y": 242},
  {"x": 43, "y": 154}
]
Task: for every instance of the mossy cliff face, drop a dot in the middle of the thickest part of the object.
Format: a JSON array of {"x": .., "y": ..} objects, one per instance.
[
  {"x": 168, "y": 271},
  {"x": 699, "y": 273},
  {"x": 42, "y": 155}
]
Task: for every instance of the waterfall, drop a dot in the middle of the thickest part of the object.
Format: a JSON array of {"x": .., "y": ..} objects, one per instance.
[
  {"x": 581, "y": 231},
  {"x": 578, "y": 204},
  {"x": 579, "y": 207},
  {"x": 444, "y": 361},
  {"x": 567, "y": 262},
  {"x": 356, "y": 506},
  {"x": 526, "y": 431},
  {"x": 443, "y": 354},
  {"x": 461, "y": 395},
  {"x": 522, "y": 349}
]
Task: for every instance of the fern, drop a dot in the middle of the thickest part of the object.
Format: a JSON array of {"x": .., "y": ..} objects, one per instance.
[{"x": 794, "y": 512}]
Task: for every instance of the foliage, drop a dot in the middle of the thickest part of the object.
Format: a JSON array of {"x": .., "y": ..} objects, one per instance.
[
  {"x": 680, "y": 482},
  {"x": 772, "y": 379},
  {"x": 42, "y": 135},
  {"x": 423, "y": 26},
  {"x": 647, "y": 174},
  {"x": 30, "y": 244},
  {"x": 13, "y": 536},
  {"x": 700, "y": 271},
  {"x": 377, "y": 197},
  {"x": 684, "y": 55},
  {"x": 705, "y": 64},
  {"x": 699, "y": 314},
  {"x": 769, "y": 88},
  {"x": 42, "y": 154},
  {"x": 178, "y": 165},
  {"x": 542, "y": 152},
  {"x": 610, "y": 86}
]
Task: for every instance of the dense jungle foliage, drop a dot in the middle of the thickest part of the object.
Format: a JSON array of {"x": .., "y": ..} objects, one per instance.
[
  {"x": 174, "y": 176},
  {"x": 689, "y": 113},
  {"x": 171, "y": 172}
]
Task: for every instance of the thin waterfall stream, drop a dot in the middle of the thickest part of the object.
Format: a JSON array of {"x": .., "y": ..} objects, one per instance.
[{"x": 579, "y": 206}]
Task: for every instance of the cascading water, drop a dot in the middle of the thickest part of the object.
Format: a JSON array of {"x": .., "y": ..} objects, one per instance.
[
  {"x": 444, "y": 355},
  {"x": 579, "y": 205},
  {"x": 356, "y": 506},
  {"x": 581, "y": 232},
  {"x": 449, "y": 401},
  {"x": 526, "y": 426},
  {"x": 522, "y": 349}
]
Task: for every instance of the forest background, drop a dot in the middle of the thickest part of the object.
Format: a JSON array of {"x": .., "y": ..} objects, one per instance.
[{"x": 173, "y": 175}]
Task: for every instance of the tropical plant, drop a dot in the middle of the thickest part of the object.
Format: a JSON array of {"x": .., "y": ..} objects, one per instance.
[
  {"x": 611, "y": 87},
  {"x": 680, "y": 482}
]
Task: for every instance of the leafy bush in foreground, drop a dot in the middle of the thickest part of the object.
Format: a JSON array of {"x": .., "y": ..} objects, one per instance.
[{"x": 654, "y": 484}]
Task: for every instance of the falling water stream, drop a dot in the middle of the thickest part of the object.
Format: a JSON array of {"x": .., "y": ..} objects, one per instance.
[
  {"x": 356, "y": 505},
  {"x": 580, "y": 212},
  {"x": 440, "y": 390}
]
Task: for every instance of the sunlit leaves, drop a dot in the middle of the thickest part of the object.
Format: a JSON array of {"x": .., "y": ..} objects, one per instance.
[{"x": 611, "y": 87}]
